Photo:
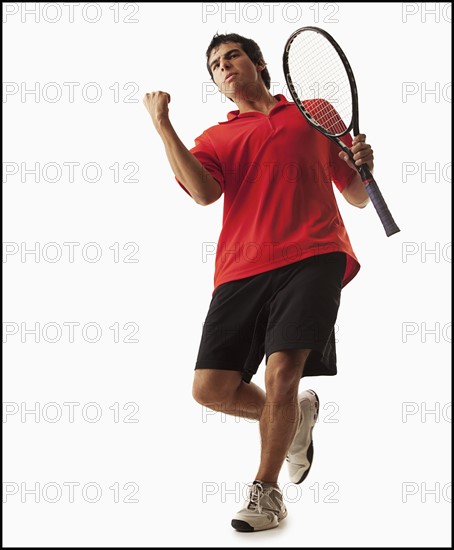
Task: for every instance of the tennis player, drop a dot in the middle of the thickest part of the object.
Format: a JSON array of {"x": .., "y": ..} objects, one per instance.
[{"x": 282, "y": 259}]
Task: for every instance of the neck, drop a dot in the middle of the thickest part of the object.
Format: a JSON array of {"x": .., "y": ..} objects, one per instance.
[{"x": 262, "y": 101}]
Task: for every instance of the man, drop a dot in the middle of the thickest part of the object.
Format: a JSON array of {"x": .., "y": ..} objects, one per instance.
[{"x": 283, "y": 256}]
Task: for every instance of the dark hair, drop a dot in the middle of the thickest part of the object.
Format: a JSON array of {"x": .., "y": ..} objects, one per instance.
[{"x": 251, "y": 49}]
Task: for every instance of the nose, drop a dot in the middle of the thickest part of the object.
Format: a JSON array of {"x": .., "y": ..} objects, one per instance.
[{"x": 225, "y": 64}]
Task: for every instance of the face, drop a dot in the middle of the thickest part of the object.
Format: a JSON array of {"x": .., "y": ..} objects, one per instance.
[{"x": 233, "y": 71}]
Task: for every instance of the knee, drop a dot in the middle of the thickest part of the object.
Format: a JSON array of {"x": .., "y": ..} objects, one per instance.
[
  {"x": 203, "y": 394},
  {"x": 282, "y": 383},
  {"x": 208, "y": 395},
  {"x": 210, "y": 391},
  {"x": 283, "y": 376}
]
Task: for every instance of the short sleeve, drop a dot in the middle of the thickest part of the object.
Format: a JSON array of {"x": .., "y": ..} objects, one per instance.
[
  {"x": 341, "y": 173},
  {"x": 205, "y": 153}
]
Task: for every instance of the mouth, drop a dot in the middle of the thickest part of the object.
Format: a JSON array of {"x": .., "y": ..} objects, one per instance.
[{"x": 229, "y": 77}]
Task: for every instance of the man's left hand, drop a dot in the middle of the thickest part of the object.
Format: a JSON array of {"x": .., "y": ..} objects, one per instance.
[{"x": 362, "y": 153}]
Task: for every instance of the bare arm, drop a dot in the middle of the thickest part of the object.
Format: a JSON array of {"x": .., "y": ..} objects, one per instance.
[
  {"x": 203, "y": 188},
  {"x": 355, "y": 193}
]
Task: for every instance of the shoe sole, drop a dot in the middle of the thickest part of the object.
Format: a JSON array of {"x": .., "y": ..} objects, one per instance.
[
  {"x": 244, "y": 526},
  {"x": 310, "y": 450}
]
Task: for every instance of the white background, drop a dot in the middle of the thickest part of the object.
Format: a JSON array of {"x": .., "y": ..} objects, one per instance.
[{"x": 381, "y": 477}]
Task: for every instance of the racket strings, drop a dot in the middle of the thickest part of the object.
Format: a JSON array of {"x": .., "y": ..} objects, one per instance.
[{"x": 320, "y": 81}]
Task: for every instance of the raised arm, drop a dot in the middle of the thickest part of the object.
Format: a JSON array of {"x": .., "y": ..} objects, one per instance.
[{"x": 203, "y": 188}]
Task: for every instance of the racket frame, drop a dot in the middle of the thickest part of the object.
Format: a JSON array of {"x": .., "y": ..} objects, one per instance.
[{"x": 363, "y": 170}]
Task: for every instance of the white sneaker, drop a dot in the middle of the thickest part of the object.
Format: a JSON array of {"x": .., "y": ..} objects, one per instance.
[
  {"x": 301, "y": 451},
  {"x": 264, "y": 509}
]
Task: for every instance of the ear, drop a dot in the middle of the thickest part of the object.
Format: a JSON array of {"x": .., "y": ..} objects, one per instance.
[{"x": 261, "y": 65}]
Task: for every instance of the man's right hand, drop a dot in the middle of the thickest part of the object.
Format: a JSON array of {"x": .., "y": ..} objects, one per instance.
[
  {"x": 157, "y": 104},
  {"x": 188, "y": 170}
]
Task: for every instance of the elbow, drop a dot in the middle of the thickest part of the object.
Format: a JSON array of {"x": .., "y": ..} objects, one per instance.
[
  {"x": 197, "y": 200},
  {"x": 356, "y": 201},
  {"x": 205, "y": 201},
  {"x": 202, "y": 200},
  {"x": 363, "y": 204}
]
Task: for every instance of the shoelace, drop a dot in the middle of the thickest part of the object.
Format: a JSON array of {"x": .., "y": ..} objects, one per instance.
[{"x": 256, "y": 491}]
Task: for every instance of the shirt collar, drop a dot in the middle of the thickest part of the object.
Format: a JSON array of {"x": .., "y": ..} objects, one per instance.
[{"x": 282, "y": 102}]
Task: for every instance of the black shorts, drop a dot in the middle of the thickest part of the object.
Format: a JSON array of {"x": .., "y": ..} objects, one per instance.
[{"x": 291, "y": 307}]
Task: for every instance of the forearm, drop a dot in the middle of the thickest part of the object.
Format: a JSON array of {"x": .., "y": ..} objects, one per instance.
[
  {"x": 356, "y": 193},
  {"x": 203, "y": 188}
]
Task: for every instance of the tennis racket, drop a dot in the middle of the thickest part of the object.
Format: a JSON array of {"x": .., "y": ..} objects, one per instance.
[{"x": 322, "y": 85}]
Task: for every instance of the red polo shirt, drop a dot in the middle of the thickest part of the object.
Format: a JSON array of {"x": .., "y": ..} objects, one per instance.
[{"x": 276, "y": 174}]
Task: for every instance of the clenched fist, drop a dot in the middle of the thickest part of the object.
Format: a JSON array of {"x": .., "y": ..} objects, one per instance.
[{"x": 157, "y": 104}]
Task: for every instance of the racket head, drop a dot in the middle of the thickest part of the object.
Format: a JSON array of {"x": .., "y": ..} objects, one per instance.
[{"x": 321, "y": 81}]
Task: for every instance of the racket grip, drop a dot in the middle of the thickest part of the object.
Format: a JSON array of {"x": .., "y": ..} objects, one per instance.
[{"x": 378, "y": 201}]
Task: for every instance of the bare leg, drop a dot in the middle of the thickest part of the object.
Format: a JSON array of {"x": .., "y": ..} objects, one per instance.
[
  {"x": 281, "y": 412},
  {"x": 225, "y": 391}
]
